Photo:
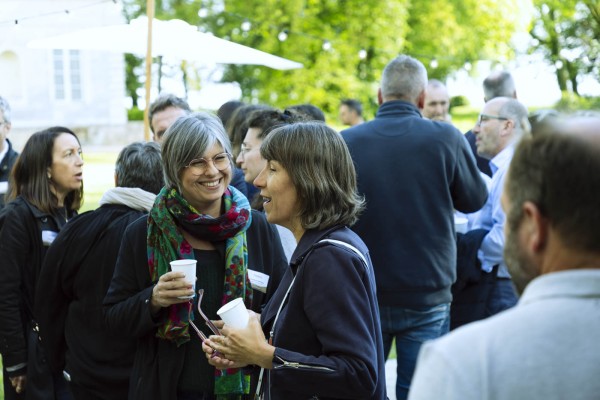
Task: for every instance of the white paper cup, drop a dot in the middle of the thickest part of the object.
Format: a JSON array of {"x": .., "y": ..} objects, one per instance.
[
  {"x": 234, "y": 313},
  {"x": 188, "y": 267},
  {"x": 461, "y": 224}
]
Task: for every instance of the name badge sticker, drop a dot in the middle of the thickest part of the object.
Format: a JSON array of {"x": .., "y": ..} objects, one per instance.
[
  {"x": 258, "y": 280},
  {"x": 48, "y": 237}
]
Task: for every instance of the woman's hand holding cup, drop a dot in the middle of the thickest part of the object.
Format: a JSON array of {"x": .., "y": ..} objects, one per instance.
[{"x": 171, "y": 288}]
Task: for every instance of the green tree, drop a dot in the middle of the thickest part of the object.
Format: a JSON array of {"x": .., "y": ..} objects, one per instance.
[
  {"x": 566, "y": 32},
  {"x": 447, "y": 34},
  {"x": 344, "y": 44}
]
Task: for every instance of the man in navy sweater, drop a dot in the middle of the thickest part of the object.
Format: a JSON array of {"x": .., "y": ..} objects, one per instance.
[{"x": 414, "y": 173}]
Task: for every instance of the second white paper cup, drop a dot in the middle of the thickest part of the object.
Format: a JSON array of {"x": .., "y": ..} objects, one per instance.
[
  {"x": 188, "y": 267},
  {"x": 460, "y": 224},
  {"x": 234, "y": 313}
]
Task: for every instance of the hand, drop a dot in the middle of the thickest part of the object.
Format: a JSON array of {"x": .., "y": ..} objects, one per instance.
[
  {"x": 244, "y": 346},
  {"x": 168, "y": 289},
  {"x": 18, "y": 382},
  {"x": 217, "y": 360}
]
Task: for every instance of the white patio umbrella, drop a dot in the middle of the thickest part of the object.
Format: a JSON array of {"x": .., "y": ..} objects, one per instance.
[{"x": 175, "y": 39}]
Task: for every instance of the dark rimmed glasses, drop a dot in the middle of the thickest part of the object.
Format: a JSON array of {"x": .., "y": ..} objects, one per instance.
[
  {"x": 208, "y": 322},
  {"x": 221, "y": 161},
  {"x": 485, "y": 117}
]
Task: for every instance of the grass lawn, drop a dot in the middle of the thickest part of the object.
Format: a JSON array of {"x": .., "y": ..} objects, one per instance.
[{"x": 98, "y": 176}]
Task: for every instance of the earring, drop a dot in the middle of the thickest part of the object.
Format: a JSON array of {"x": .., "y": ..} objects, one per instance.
[{"x": 49, "y": 175}]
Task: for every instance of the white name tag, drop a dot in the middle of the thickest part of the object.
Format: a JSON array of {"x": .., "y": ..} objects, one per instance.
[
  {"x": 3, "y": 187},
  {"x": 48, "y": 237},
  {"x": 258, "y": 280}
]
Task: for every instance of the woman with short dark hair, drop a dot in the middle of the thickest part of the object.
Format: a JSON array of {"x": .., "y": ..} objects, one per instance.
[
  {"x": 197, "y": 215},
  {"x": 322, "y": 325},
  {"x": 46, "y": 190}
]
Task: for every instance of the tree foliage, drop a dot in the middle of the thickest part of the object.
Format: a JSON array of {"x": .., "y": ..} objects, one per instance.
[
  {"x": 344, "y": 44},
  {"x": 567, "y": 32}
]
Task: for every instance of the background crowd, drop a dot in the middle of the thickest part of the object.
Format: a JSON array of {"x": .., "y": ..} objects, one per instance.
[{"x": 339, "y": 244}]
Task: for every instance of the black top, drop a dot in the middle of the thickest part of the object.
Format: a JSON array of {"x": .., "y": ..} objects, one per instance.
[
  {"x": 25, "y": 237},
  {"x": 197, "y": 375}
]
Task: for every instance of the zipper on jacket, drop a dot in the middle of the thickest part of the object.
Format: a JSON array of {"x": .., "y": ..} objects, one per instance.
[{"x": 296, "y": 365}]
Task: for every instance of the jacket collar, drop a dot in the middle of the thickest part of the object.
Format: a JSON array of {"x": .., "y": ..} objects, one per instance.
[
  {"x": 391, "y": 109},
  {"x": 306, "y": 243}
]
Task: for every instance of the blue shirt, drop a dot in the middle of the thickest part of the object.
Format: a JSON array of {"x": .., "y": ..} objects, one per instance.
[{"x": 491, "y": 217}]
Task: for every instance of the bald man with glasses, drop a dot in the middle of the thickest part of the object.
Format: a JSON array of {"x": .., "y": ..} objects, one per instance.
[{"x": 484, "y": 285}]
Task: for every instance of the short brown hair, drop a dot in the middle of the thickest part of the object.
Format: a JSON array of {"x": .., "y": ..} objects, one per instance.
[
  {"x": 558, "y": 173},
  {"x": 321, "y": 169}
]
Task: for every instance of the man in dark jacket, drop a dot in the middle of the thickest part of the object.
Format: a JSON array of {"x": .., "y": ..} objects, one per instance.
[
  {"x": 7, "y": 154},
  {"x": 413, "y": 173},
  {"x": 77, "y": 272}
]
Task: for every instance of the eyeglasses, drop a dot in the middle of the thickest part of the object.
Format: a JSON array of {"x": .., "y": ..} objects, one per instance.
[
  {"x": 199, "y": 165},
  {"x": 485, "y": 117},
  {"x": 208, "y": 322}
]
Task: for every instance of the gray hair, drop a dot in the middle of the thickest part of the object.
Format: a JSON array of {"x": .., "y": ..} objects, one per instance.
[
  {"x": 187, "y": 139},
  {"x": 165, "y": 101},
  {"x": 498, "y": 84},
  {"x": 517, "y": 112},
  {"x": 5, "y": 108},
  {"x": 139, "y": 165},
  {"x": 404, "y": 78}
]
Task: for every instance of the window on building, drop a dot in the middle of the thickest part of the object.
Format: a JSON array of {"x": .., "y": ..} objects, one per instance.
[{"x": 67, "y": 75}]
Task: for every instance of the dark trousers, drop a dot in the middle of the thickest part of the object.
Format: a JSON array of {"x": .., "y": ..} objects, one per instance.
[{"x": 481, "y": 299}]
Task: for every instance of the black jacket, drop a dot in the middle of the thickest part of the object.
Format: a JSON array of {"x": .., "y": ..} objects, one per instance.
[
  {"x": 413, "y": 172},
  {"x": 328, "y": 336},
  {"x": 6, "y": 165},
  {"x": 158, "y": 363},
  {"x": 73, "y": 282},
  {"x": 22, "y": 251}
]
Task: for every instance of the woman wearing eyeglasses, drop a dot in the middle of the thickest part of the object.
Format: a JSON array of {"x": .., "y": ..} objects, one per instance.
[
  {"x": 196, "y": 215},
  {"x": 322, "y": 324},
  {"x": 46, "y": 190}
]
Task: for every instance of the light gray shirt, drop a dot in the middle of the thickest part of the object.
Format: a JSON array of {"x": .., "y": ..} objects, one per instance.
[{"x": 546, "y": 348}]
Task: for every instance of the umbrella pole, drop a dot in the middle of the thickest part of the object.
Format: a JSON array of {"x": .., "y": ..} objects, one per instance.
[{"x": 148, "y": 86}]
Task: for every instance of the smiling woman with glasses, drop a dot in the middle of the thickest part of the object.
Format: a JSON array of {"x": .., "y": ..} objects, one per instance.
[{"x": 197, "y": 215}]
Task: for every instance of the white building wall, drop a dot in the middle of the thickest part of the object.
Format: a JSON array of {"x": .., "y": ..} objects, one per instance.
[{"x": 27, "y": 75}]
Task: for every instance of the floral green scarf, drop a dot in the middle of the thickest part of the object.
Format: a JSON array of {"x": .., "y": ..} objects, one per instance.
[{"x": 170, "y": 213}]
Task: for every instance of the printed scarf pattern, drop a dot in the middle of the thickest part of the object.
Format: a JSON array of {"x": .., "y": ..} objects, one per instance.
[{"x": 165, "y": 243}]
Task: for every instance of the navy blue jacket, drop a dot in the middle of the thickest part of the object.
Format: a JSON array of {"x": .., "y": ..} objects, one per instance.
[
  {"x": 413, "y": 173},
  {"x": 328, "y": 335}
]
